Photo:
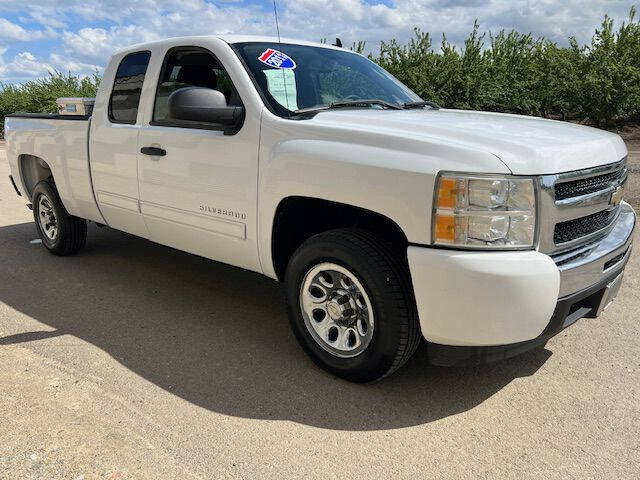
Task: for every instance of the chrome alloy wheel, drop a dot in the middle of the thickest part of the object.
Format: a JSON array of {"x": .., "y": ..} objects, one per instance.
[
  {"x": 336, "y": 310},
  {"x": 47, "y": 218}
]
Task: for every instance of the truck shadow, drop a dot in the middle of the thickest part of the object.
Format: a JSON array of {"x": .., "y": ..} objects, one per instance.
[{"x": 218, "y": 336}]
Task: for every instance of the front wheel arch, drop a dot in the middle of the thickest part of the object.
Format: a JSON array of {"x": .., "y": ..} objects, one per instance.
[{"x": 299, "y": 218}]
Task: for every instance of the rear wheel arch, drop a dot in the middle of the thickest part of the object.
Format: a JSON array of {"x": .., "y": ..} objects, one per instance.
[
  {"x": 33, "y": 170},
  {"x": 298, "y": 218}
]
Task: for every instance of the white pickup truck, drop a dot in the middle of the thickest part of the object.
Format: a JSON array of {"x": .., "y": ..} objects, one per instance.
[{"x": 387, "y": 218}]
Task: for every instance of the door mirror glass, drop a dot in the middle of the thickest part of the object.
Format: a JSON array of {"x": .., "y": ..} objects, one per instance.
[{"x": 200, "y": 104}]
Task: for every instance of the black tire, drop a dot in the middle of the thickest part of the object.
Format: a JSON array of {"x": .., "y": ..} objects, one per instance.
[
  {"x": 71, "y": 234},
  {"x": 384, "y": 274}
]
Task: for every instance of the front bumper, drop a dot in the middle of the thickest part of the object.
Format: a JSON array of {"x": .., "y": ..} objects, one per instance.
[
  {"x": 586, "y": 266},
  {"x": 569, "y": 309},
  {"x": 477, "y": 307}
]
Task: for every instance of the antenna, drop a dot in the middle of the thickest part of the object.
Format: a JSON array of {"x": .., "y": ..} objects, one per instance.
[
  {"x": 284, "y": 77},
  {"x": 275, "y": 13}
]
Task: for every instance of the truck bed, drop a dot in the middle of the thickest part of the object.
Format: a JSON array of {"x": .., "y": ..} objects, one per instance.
[{"x": 61, "y": 142}]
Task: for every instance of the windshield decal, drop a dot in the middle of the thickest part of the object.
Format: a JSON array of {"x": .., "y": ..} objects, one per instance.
[{"x": 277, "y": 59}]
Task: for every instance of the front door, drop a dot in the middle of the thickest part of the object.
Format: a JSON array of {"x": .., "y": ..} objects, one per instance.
[{"x": 199, "y": 193}]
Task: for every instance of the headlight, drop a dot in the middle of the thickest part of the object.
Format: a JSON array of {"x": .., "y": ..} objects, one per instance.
[{"x": 484, "y": 212}]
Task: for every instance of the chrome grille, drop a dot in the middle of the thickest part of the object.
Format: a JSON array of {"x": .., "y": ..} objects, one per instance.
[
  {"x": 578, "y": 228},
  {"x": 576, "y": 208},
  {"x": 585, "y": 186}
]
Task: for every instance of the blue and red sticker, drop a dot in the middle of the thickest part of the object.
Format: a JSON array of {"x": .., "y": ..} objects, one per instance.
[{"x": 277, "y": 59}]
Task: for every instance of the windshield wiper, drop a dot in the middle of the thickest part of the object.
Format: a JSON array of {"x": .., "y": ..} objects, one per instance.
[
  {"x": 350, "y": 103},
  {"x": 420, "y": 104},
  {"x": 367, "y": 102}
]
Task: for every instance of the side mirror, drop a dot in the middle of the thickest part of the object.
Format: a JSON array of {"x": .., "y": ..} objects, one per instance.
[{"x": 198, "y": 104}]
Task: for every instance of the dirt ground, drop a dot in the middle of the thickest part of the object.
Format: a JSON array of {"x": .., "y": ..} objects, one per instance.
[
  {"x": 132, "y": 360},
  {"x": 633, "y": 163}
]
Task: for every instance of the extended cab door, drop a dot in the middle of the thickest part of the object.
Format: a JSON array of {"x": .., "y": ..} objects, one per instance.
[
  {"x": 113, "y": 143},
  {"x": 198, "y": 184}
]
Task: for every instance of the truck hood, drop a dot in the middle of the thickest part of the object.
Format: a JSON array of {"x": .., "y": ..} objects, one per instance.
[{"x": 526, "y": 145}]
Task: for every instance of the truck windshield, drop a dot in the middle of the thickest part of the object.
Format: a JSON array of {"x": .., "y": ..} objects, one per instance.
[{"x": 297, "y": 77}]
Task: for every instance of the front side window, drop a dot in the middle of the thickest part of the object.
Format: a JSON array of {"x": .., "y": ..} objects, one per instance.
[
  {"x": 127, "y": 87},
  {"x": 292, "y": 77},
  {"x": 191, "y": 67}
]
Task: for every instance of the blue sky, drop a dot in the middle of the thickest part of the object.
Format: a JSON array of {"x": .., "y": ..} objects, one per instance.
[{"x": 78, "y": 35}]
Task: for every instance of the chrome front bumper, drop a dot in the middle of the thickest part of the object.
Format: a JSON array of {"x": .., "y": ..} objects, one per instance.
[{"x": 581, "y": 268}]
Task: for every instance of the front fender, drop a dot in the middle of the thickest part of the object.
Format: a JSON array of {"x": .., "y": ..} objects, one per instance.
[
  {"x": 359, "y": 176},
  {"x": 364, "y": 166}
]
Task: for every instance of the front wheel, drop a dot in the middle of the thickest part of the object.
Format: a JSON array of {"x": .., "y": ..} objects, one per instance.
[
  {"x": 60, "y": 232},
  {"x": 351, "y": 305}
]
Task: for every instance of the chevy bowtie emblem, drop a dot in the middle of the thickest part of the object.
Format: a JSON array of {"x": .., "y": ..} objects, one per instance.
[{"x": 616, "y": 196}]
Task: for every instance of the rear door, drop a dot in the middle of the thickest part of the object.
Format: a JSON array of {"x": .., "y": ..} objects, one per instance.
[
  {"x": 200, "y": 195},
  {"x": 114, "y": 147}
]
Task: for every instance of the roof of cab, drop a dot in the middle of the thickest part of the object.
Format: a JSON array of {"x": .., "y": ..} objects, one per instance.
[
  {"x": 274, "y": 40},
  {"x": 190, "y": 40}
]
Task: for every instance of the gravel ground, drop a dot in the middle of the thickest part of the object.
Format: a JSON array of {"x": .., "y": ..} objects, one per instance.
[
  {"x": 633, "y": 163},
  {"x": 132, "y": 360}
]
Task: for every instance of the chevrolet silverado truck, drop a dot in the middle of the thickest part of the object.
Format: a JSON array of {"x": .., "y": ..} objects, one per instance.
[{"x": 387, "y": 218}]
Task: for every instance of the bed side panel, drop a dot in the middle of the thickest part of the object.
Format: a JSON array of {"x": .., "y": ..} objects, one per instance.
[{"x": 62, "y": 144}]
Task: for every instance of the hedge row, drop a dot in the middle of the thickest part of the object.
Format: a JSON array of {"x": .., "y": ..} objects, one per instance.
[{"x": 514, "y": 72}]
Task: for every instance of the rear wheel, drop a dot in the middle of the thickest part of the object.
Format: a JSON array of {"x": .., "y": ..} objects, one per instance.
[
  {"x": 351, "y": 304},
  {"x": 60, "y": 232}
]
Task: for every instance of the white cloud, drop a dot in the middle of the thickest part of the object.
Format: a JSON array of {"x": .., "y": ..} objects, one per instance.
[
  {"x": 23, "y": 65},
  {"x": 47, "y": 16},
  {"x": 63, "y": 64},
  {"x": 88, "y": 31},
  {"x": 10, "y": 31},
  {"x": 168, "y": 19}
]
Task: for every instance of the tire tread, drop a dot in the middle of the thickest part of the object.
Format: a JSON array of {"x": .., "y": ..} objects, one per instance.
[
  {"x": 391, "y": 261},
  {"x": 73, "y": 236}
]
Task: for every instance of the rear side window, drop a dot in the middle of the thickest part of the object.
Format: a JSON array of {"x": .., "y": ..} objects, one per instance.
[{"x": 125, "y": 96}]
